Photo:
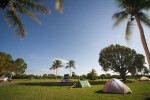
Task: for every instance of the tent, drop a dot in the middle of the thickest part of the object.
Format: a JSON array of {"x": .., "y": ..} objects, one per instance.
[
  {"x": 116, "y": 86},
  {"x": 83, "y": 84},
  {"x": 3, "y": 79},
  {"x": 143, "y": 78}
]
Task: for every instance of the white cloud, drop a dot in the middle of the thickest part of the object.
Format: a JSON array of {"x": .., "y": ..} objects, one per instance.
[{"x": 63, "y": 60}]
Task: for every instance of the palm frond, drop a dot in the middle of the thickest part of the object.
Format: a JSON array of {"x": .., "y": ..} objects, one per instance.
[
  {"x": 52, "y": 67},
  {"x": 56, "y": 65},
  {"x": 145, "y": 19},
  {"x": 121, "y": 4},
  {"x": 14, "y": 22},
  {"x": 121, "y": 16},
  {"x": 23, "y": 10},
  {"x": 71, "y": 64},
  {"x": 145, "y": 5},
  {"x": 32, "y": 6},
  {"x": 67, "y": 67},
  {"x": 59, "y": 5},
  {"x": 129, "y": 30}
]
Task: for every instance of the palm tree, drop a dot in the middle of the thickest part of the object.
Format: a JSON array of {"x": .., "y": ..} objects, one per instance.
[
  {"x": 71, "y": 64},
  {"x": 134, "y": 9},
  {"x": 56, "y": 65},
  {"x": 13, "y": 8}
]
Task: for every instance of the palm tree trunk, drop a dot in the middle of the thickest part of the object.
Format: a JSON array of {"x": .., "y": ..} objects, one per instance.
[
  {"x": 143, "y": 39},
  {"x": 70, "y": 72},
  {"x": 56, "y": 73}
]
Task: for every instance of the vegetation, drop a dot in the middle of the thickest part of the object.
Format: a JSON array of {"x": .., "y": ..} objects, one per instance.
[
  {"x": 12, "y": 9},
  {"x": 8, "y": 65},
  {"x": 71, "y": 64},
  {"x": 56, "y": 65},
  {"x": 121, "y": 59},
  {"x": 45, "y": 90},
  {"x": 134, "y": 9},
  {"x": 92, "y": 75}
]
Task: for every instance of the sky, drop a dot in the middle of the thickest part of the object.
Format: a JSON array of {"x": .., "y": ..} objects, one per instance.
[{"x": 79, "y": 33}]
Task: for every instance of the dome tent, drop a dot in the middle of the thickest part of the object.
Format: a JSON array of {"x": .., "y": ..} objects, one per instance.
[
  {"x": 116, "y": 86},
  {"x": 143, "y": 78},
  {"x": 83, "y": 84}
]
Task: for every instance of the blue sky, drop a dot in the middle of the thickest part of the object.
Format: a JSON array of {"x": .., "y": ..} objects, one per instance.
[{"x": 84, "y": 28}]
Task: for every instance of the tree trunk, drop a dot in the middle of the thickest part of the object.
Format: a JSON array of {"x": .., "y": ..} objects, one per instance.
[
  {"x": 123, "y": 76},
  {"x": 143, "y": 39},
  {"x": 56, "y": 73},
  {"x": 70, "y": 72}
]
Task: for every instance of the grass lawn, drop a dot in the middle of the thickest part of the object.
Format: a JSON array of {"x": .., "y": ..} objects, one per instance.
[{"x": 48, "y": 90}]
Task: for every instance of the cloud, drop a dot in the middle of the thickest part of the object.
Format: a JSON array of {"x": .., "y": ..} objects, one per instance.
[{"x": 63, "y": 60}]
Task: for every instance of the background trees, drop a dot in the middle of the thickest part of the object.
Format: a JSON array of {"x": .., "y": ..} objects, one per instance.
[
  {"x": 134, "y": 9},
  {"x": 92, "y": 75},
  {"x": 121, "y": 59}
]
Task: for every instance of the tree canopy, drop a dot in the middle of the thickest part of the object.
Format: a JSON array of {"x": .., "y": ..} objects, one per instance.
[
  {"x": 121, "y": 59},
  {"x": 8, "y": 65},
  {"x": 92, "y": 75}
]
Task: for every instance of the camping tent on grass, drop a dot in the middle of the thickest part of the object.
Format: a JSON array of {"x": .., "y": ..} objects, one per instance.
[
  {"x": 143, "y": 78},
  {"x": 3, "y": 79},
  {"x": 83, "y": 84},
  {"x": 116, "y": 86}
]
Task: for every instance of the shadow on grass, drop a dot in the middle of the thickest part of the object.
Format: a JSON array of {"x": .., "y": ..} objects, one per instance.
[
  {"x": 147, "y": 98},
  {"x": 100, "y": 91},
  {"x": 48, "y": 84},
  {"x": 103, "y": 82}
]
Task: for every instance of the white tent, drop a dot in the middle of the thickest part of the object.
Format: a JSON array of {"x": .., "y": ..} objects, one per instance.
[
  {"x": 3, "y": 79},
  {"x": 116, "y": 86},
  {"x": 143, "y": 78}
]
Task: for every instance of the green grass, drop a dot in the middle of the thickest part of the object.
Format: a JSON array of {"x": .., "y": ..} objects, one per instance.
[{"x": 48, "y": 90}]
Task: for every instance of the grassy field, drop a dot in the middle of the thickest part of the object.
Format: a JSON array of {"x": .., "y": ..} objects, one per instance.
[{"x": 49, "y": 90}]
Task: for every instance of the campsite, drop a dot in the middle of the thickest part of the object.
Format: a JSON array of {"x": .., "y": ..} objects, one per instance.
[
  {"x": 74, "y": 49},
  {"x": 46, "y": 89}
]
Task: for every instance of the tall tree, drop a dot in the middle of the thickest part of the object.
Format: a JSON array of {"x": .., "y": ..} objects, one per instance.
[
  {"x": 121, "y": 59},
  {"x": 71, "y": 64},
  {"x": 13, "y": 8},
  {"x": 134, "y": 9},
  {"x": 56, "y": 65}
]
